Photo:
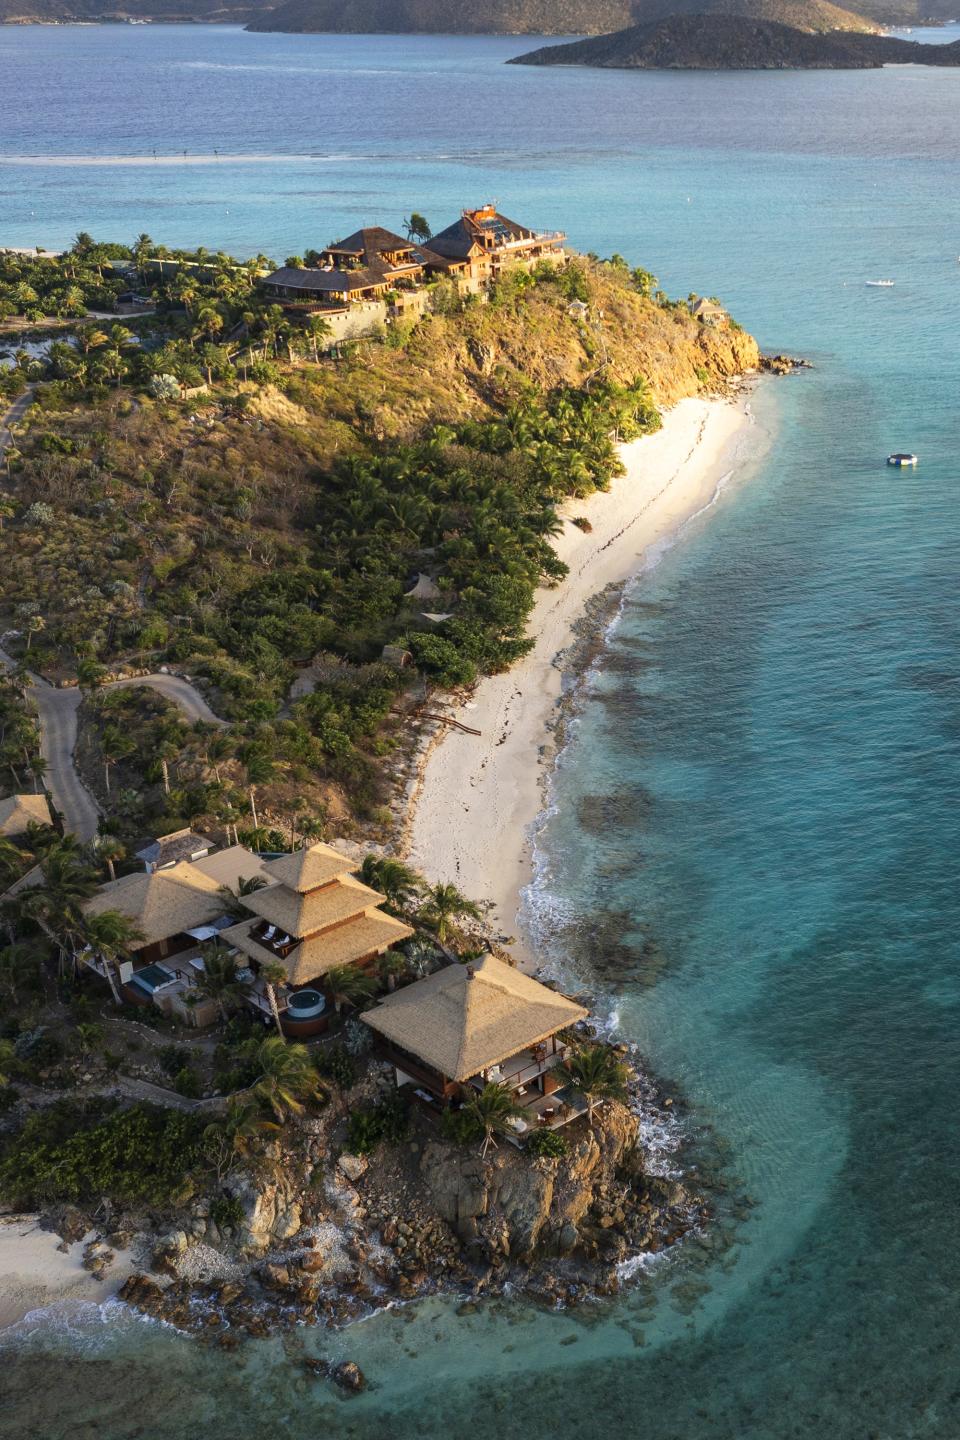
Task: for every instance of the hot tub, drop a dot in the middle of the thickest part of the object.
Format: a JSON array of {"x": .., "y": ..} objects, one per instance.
[{"x": 305, "y": 1005}]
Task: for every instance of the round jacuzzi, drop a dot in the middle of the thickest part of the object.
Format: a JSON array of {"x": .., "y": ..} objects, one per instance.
[{"x": 305, "y": 1005}]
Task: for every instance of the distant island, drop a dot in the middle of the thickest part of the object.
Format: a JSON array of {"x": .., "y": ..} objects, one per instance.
[
  {"x": 738, "y": 42},
  {"x": 570, "y": 17},
  {"x": 490, "y": 17}
]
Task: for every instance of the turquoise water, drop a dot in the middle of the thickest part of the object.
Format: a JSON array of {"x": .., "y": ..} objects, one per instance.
[{"x": 772, "y": 734}]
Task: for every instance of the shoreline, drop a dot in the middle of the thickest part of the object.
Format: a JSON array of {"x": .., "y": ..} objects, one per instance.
[
  {"x": 38, "y": 1270},
  {"x": 473, "y": 808}
]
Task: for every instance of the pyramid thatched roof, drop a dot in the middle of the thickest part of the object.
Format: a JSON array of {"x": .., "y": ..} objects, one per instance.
[
  {"x": 305, "y": 870},
  {"x": 465, "y": 1018}
]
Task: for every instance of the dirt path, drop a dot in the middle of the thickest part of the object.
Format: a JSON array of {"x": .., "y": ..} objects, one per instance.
[{"x": 13, "y": 417}]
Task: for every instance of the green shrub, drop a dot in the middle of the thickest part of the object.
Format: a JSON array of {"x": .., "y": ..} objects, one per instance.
[
  {"x": 546, "y": 1144},
  {"x": 460, "y": 1126},
  {"x": 226, "y": 1210},
  {"x": 336, "y": 1063},
  {"x": 386, "y": 1121},
  {"x": 173, "y": 1059},
  {"x": 185, "y": 1082}
]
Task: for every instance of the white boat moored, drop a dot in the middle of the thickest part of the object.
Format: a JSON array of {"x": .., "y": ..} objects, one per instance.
[
  {"x": 880, "y": 284},
  {"x": 902, "y": 458}
]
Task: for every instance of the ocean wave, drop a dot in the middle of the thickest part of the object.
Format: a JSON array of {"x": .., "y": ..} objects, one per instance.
[
  {"x": 345, "y": 71},
  {"x": 71, "y": 161}
]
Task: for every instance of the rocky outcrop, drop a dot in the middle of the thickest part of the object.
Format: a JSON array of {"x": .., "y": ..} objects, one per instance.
[
  {"x": 519, "y": 1208},
  {"x": 271, "y": 1210}
]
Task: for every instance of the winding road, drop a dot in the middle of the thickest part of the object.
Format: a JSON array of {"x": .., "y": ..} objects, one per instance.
[{"x": 57, "y": 710}]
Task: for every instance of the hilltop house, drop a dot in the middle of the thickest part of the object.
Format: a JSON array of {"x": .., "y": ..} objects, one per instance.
[
  {"x": 484, "y": 241},
  {"x": 467, "y": 1025},
  {"x": 361, "y": 281},
  {"x": 364, "y": 267}
]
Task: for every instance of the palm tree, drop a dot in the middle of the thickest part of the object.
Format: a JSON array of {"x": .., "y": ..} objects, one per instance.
[
  {"x": 35, "y": 625},
  {"x": 56, "y": 903},
  {"x": 595, "y": 1073},
  {"x": 89, "y": 1033},
  {"x": 492, "y": 1108},
  {"x": 110, "y": 850},
  {"x": 288, "y": 1078},
  {"x": 392, "y": 878},
  {"x": 390, "y": 966},
  {"x": 444, "y": 903},
  {"x": 10, "y": 857},
  {"x": 272, "y": 973},
  {"x": 114, "y": 746},
  {"x": 246, "y": 885},
  {"x": 111, "y": 935},
  {"x": 218, "y": 979},
  {"x": 348, "y": 985}
]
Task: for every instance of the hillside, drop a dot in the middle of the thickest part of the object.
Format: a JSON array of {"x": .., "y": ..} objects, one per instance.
[
  {"x": 504, "y": 17},
  {"x": 538, "y": 17},
  {"x": 13, "y": 12},
  {"x": 279, "y": 516},
  {"x": 737, "y": 42},
  {"x": 491, "y": 17}
]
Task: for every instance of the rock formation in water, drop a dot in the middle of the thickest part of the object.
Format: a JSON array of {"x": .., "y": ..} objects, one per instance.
[{"x": 738, "y": 42}]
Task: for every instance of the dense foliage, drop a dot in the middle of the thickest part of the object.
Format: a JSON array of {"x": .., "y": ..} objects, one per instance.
[{"x": 81, "y": 1153}]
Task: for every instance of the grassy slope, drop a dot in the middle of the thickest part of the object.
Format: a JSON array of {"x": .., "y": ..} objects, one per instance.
[{"x": 190, "y": 506}]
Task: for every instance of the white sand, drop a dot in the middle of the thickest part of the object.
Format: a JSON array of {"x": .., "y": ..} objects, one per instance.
[
  {"x": 478, "y": 797},
  {"x": 34, "y": 1273}
]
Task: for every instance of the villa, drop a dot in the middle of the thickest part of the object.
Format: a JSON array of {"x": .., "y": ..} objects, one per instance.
[
  {"x": 309, "y": 917},
  {"x": 375, "y": 275},
  {"x": 468, "y": 1025}
]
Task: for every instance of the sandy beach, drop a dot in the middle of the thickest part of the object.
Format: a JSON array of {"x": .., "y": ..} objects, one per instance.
[
  {"x": 36, "y": 1272},
  {"x": 478, "y": 797}
]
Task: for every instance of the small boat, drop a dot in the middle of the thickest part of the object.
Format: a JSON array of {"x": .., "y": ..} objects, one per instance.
[
  {"x": 902, "y": 459},
  {"x": 880, "y": 284}
]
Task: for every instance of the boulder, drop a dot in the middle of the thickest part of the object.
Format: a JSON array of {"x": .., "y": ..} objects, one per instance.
[
  {"x": 349, "y": 1376},
  {"x": 353, "y": 1166}
]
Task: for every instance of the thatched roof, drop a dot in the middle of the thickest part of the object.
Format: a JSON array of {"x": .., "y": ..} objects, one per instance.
[
  {"x": 423, "y": 588},
  {"x": 230, "y": 866},
  {"x": 300, "y": 913},
  {"x": 162, "y": 904},
  {"x": 19, "y": 811},
  {"x": 309, "y": 869},
  {"x": 465, "y": 1018},
  {"x": 368, "y": 934}
]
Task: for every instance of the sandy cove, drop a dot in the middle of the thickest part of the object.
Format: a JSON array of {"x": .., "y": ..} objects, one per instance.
[
  {"x": 477, "y": 797},
  {"x": 37, "y": 1270}
]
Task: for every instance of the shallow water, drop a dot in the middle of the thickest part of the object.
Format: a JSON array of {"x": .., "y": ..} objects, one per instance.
[{"x": 779, "y": 703}]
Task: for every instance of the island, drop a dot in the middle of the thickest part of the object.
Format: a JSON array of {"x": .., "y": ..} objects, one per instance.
[
  {"x": 724, "y": 41},
  {"x": 264, "y": 527}
]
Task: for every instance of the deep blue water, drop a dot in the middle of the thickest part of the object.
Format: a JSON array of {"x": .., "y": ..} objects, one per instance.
[{"x": 772, "y": 735}]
